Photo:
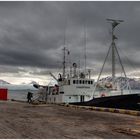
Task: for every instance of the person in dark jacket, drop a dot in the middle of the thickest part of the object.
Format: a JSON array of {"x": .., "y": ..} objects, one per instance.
[{"x": 29, "y": 97}]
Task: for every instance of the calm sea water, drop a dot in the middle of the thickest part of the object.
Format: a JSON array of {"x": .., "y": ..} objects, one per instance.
[{"x": 19, "y": 94}]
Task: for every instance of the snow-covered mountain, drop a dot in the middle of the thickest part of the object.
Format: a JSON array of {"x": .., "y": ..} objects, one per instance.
[
  {"x": 32, "y": 82},
  {"x": 3, "y": 82},
  {"x": 29, "y": 83},
  {"x": 23, "y": 86},
  {"x": 18, "y": 87},
  {"x": 133, "y": 82}
]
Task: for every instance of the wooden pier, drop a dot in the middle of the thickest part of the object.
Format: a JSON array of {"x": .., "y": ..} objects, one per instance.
[{"x": 21, "y": 120}]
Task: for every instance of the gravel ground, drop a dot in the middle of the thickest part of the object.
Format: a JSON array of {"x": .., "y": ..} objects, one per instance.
[{"x": 22, "y": 120}]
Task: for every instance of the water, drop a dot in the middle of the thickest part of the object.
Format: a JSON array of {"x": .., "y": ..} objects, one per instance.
[
  {"x": 22, "y": 94},
  {"x": 19, "y": 94}
]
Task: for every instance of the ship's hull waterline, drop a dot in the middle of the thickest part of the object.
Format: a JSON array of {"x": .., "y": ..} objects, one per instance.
[{"x": 130, "y": 101}]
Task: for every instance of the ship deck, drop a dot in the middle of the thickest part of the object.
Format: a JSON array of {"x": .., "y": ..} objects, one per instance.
[{"x": 22, "y": 120}]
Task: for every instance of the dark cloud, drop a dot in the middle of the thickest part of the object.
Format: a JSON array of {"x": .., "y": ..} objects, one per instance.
[{"x": 32, "y": 33}]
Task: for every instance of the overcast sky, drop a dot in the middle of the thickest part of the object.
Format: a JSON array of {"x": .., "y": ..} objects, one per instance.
[{"x": 32, "y": 37}]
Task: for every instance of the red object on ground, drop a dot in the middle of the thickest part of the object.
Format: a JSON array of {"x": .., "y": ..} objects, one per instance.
[{"x": 3, "y": 93}]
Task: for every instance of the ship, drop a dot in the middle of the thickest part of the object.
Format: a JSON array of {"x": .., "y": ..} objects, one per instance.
[
  {"x": 72, "y": 85},
  {"x": 113, "y": 94},
  {"x": 78, "y": 88}
]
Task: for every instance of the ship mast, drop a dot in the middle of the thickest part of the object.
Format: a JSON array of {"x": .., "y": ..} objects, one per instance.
[
  {"x": 64, "y": 50},
  {"x": 112, "y": 47},
  {"x": 85, "y": 43},
  {"x": 64, "y": 62},
  {"x": 114, "y": 23}
]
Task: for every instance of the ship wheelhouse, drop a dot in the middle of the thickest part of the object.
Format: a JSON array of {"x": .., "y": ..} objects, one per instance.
[{"x": 72, "y": 90}]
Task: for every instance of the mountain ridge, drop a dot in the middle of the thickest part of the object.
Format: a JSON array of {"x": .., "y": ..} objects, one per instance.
[{"x": 133, "y": 82}]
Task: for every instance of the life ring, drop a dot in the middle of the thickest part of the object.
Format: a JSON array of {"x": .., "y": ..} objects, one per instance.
[
  {"x": 103, "y": 95},
  {"x": 108, "y": 85}
]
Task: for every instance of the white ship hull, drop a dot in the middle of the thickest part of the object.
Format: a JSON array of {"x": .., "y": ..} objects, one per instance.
[{"x": 72, "y": 92}]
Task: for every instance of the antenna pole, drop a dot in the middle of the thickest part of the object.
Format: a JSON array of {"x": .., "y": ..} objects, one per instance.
[
  {"x": 64, "y": 55},
  {"x": 64, "y": 62},
  {"x": 85, "y": 40}
]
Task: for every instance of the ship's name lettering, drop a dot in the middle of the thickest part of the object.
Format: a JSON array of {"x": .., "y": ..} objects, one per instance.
[{"x": 82, "y": 87}]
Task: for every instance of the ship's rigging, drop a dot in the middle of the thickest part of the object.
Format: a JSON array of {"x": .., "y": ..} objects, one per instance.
[{"x": 114, "y": 52}]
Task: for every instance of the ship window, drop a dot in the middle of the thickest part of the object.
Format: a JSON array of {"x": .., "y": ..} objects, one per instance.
[
  {"x": 76, "y": 81},
  {"x": 83, "y": 81},
  {"x": 88, "y": 82},
  {"x": 73, "y": 81},
  {"x": 91, "y": 82},
  {"x": 80, "y": 81},
  {"x": 69, "y": 97}
]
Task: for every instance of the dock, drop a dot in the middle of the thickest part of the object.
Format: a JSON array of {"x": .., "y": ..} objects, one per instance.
[{"x": 20, "y": 120}]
